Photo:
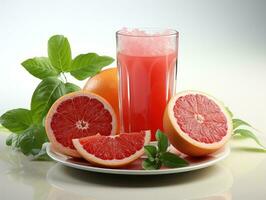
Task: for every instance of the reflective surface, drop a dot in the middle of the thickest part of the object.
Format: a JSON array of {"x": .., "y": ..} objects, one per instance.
[
  {"x": 241, "y": 176},
  {"x": 135, "y": 167}
]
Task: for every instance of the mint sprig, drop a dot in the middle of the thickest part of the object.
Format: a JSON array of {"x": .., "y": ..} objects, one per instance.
[
  {"x": 246, "y": 132},
  {"x": 28, "y": 132},
  {"x": 159, "y": 155}
]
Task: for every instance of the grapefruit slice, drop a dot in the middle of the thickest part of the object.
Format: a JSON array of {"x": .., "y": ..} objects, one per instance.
[
  {"x": 196, "y": 123},
  {"x": 75, "y": 115},
  {"x": 112, "y": 151}
]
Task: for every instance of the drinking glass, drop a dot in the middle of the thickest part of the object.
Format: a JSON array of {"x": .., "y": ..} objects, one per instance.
[{"x": 147, "y": 66}]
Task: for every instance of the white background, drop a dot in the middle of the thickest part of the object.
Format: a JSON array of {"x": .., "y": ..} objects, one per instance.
[{"x": 222, "y": 44}]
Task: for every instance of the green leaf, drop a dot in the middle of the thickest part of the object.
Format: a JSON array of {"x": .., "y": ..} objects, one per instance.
[
  {"x": 31, "y": 139},
  {"x": 42, "y": 155},
  {"x": 248, "y": 134},
  {"x": 59, "y": 53},
  {"x": 40, "y": 67},
  {"x": 71, "y": 87},
  {"x": 85, "y": 65},
  {"x": 46, "y": 93},
  {"x": 162, "y": 141},
  {"x": 151, "y": 152},
  {"x": 16, "y": 120},
  {"x": 172, "y": 160},
  {"x": 151, "y": 165},
  {"x": 239, "y": 122},
  {"x": 229, "y": 112}
]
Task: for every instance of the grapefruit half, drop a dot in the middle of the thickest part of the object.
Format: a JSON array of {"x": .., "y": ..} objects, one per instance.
[
  {"x": 112, "y": 151},
  {"x": 75, "y": 115},
  {"x": 196, "y": 124}
]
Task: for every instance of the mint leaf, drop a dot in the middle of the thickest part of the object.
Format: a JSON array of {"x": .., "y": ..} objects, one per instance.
[
  {"x": 40, "y": 67},
  {"x": 151, "y": 152},
  {"x": 28, "y": 141},
  {"x": 59, "y": 53},
  {"x": 248, "y": 134},
  {"x": 85, "y": 65},
  {"x": 162, "y": 141},
  {"x": 151, "y": 165},
  {"x": 239, "y": 122},
  {"x": 31, "y": 139},
  {"x": 71, "y": 87},
  {"x": 172, "y": 160},
  {"x": 16, "y": 120},
  {"x": 46, "y": 93},
  {"x": 229, "y": 112}
]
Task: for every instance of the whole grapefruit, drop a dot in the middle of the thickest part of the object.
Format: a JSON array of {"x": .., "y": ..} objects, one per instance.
[{"x": 196, "y": 124}]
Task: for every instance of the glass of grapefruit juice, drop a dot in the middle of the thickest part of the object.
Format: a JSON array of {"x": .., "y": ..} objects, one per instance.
[{"x": 147, "y": 65}]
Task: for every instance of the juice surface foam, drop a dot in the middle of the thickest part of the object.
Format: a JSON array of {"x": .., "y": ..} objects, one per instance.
[{"x": 138, "y": 42}]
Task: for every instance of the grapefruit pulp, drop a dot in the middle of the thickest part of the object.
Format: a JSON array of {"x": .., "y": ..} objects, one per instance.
[
  {"x": 112, "y": 151},
  {"x": 105, "y": 84},
  {"x": 196, "y": 123},
  {"x": 75, "y": 115}
]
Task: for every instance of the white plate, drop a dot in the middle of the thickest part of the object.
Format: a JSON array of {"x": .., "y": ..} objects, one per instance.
[{"x": 135, "y": 167}]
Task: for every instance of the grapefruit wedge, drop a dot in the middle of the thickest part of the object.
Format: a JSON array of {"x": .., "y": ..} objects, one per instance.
[
  {"x": 196, "y": 124},
  {"x": 112, "y": 151},
  {"x": 75, "y": 115}
]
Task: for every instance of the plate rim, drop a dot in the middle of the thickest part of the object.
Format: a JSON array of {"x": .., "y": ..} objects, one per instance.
[{"x": 56, "y": 157}]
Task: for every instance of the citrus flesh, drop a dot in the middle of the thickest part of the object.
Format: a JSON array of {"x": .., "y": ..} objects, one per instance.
[
  {"x": 75, "y": 115},
  {"x": 105, "y": 84},
  {"x": 112, "y": 151},
  {"x": 196, "y": 123}
]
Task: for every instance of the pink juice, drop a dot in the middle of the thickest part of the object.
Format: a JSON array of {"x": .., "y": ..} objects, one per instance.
[{"x": 146, "y": 86}]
